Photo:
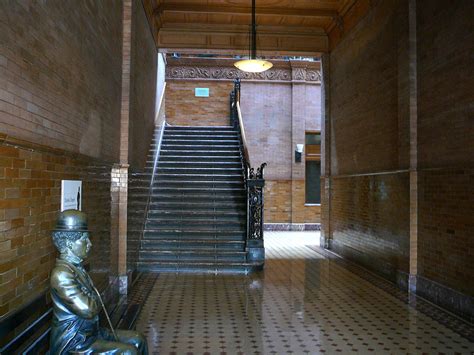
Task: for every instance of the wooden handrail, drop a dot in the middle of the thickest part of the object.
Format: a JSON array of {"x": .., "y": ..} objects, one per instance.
[{"x": 242, "y": 134}]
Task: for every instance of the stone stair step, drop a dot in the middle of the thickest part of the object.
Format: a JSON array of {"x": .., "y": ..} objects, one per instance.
[
  {"x": 200, "y": 152},
  {"x": 181, "y": 244},
  {"x": 214, "y": 158},
  {"x": 195, "y": 224},
  {"x": 210, "y": 173},
  {"x": 200, "y": 267},
  {"x": 202, "y": 136},
  {"x": 197, "y": 183},
  {"x": 192, "y": 255},
  {"x": 198, "y": 207},
  {"x": 198, "y": 177},
  {"x": 206, "y": 147},
  {"x": 192, "y": 234},
  {"x": 227, "y": 128},
  {"x": 213, "y": 213}
]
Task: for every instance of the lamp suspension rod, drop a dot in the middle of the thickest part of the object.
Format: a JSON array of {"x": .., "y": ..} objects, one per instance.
[{"x": 254, "y": 32}]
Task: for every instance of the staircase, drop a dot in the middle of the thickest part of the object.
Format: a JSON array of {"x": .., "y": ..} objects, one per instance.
[{"x": 196, "y": 219}]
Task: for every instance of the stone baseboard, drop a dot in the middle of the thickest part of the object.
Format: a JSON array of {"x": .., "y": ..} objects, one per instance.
[{"x": 452, "y": 300}]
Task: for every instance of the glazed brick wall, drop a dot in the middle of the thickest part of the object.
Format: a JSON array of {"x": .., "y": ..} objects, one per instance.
[
  {"x": 312, "y": 102},
  {"x": 30, "y": 189},
  {"x": 266, "y": 112},
  {"x": 300, "y": 212},
  {"x": 267, "y": 116},
  {"x": 142, "y": 87},
  {"x": 370, "y": 221},
  {"x": 446, "y": 143},
  {"x": 183, "y": 108},
  {"x": 446, "y": 227},
  {"x": 60, "y": 91},
  {"x": 367, "y": 73},
  {"x": 60, "y": 75},
  {"x": 445, "y": 115},
  {"x": 369, "y": 152},
  {"x": 278, "y": 208},
  {"x": 277, "y": 198}
]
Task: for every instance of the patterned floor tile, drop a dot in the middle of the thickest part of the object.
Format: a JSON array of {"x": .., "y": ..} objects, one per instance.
[{"x": 304, "y": 302}]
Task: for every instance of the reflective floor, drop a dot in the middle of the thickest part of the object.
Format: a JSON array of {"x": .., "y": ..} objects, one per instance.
[{"x": 305, "y": 302}]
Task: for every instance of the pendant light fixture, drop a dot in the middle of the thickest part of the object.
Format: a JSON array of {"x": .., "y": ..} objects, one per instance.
[{"x": 253, "y": 65}]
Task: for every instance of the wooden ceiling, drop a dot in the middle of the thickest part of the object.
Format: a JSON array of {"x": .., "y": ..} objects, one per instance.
[{"x": 284, "y": 27}]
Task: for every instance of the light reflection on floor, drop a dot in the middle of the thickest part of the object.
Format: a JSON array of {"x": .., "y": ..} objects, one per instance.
[{"x": 303, "y": 303}]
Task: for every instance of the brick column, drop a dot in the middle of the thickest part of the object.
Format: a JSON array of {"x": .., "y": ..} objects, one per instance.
[
  {"x": 298, "y": 120},
  {"x": 119, "y": 194},
  {"x": 413, "y": 125},
  {"x": 119, "y": 183},
  {"x": 325, "y": 155}
]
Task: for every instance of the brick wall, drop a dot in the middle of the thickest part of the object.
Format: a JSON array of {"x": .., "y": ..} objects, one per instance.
[
  {"x": 183, "y": 108},
  {"x": 365, "y": 92},
  {"x": 60, "y": 79},
  {"x": 30, "y": 189},
  {"x": 266, "y": 111},
  {"x": 267, "y": 115},
  {"x": 369, "y": 202},
  {"x": 60, "y": 74},
  {"x": 400, "y": 185},
  {"x": 370, "y": 221},
  {"x": 277, "y": 195},
  {"x": 142, "y": 87},
  {"x": 446, "y": 144}
]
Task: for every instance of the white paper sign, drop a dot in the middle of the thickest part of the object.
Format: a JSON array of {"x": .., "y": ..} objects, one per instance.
[{"x": 71, "y": 195}]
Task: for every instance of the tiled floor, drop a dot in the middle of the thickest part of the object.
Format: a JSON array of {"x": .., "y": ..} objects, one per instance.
[{"x": 303, "y": 303}]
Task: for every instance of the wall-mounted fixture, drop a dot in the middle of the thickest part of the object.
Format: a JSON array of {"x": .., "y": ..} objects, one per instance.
[
  {"x": 253, "y": 65},
  {"x": 298, "y": 152}
]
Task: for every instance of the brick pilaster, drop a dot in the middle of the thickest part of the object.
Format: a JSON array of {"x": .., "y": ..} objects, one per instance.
[
  {"x": 413, "y": 129},
  {"x": 325, "y": 154},
  {"x": 119, "y": 182},
  {"x": 298, "y": 120}
]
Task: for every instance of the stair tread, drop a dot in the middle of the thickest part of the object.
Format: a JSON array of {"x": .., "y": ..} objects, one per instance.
[
  {"x": 199, "y": 251},
  {"x": 187, "y": 189},
  {"x": 209, "y": 263},
  {"x": 186, "y": 230},
  {"x": 203, "y": 241}
]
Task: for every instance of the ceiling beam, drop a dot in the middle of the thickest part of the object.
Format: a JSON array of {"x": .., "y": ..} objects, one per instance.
[
  {"x": 233, "y": 42},
  {"x": 243, "y": 29},
  {"x": 239, "y": 10}
]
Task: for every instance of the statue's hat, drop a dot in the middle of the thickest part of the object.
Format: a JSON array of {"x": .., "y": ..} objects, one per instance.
[{"x": 72, "y": 221}]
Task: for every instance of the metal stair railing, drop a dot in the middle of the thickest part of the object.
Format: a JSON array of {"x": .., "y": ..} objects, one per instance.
[{"x": 254, "y": 183}]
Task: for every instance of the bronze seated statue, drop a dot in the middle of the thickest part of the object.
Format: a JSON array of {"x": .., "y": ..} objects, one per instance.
[{"x": 76, "y": 302}]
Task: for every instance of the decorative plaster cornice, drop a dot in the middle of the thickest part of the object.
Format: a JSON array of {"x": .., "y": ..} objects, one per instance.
[{"x": 207, "y": 69}]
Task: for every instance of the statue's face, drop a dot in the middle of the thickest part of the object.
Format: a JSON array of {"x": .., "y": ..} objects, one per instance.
[{"x": 82, "y": 246}]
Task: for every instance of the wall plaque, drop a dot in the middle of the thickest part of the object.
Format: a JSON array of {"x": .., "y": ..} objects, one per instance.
[
  {"x": 201, "y": 92},
  {"x": 71, "y": 195}
]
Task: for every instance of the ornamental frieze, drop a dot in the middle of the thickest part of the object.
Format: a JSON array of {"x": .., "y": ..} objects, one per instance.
[{"x": 229, "y": 73}]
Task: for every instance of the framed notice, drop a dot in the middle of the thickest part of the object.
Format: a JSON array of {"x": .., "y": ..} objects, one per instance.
[{"x": 71, "y": 195}]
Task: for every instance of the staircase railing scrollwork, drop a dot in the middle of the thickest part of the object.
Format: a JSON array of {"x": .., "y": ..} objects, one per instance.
[{"x": 254, "y": 183}]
